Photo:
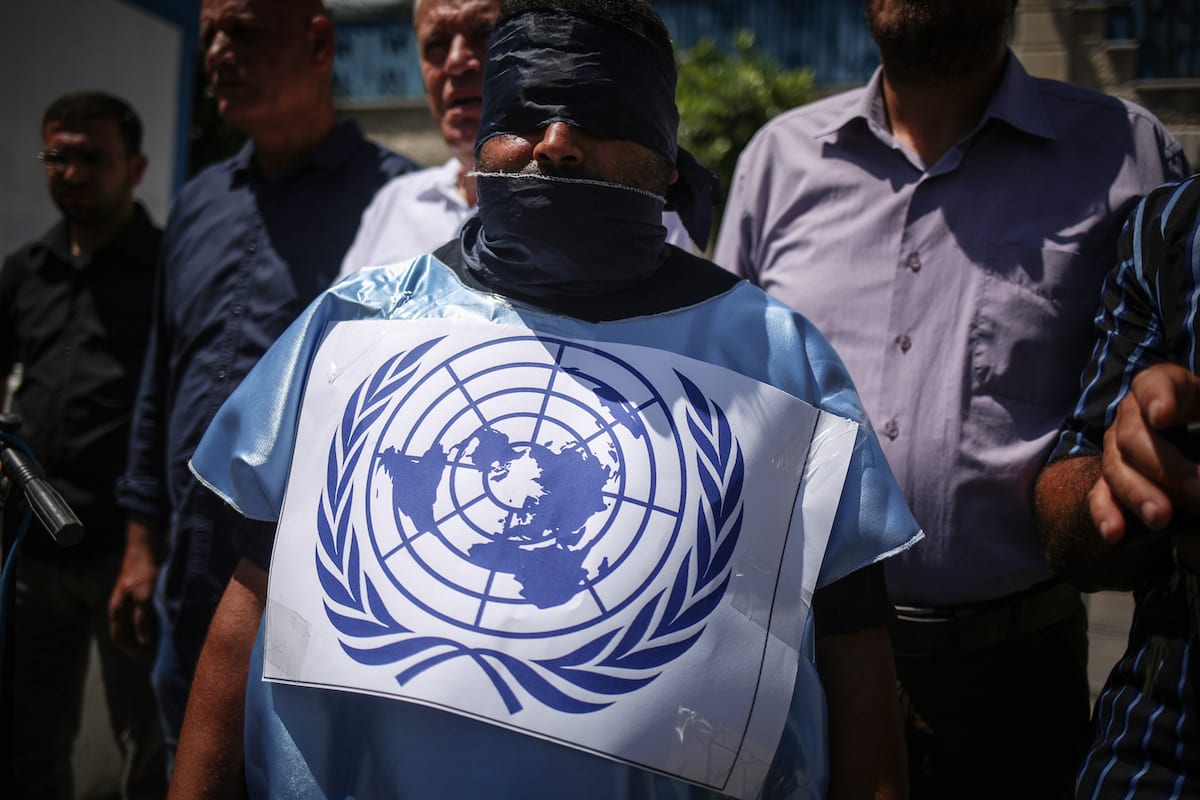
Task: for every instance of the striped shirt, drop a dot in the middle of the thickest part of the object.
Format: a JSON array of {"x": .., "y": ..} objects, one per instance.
[
  {"x": 1147, "y": 727},
  {"x": 1149, "y": 310}
]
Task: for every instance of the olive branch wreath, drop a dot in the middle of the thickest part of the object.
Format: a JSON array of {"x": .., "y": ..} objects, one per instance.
[{"x": 615, "y": 663}]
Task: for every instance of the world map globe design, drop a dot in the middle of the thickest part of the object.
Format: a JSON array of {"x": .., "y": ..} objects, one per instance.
[{"x": 526, "y": 487}]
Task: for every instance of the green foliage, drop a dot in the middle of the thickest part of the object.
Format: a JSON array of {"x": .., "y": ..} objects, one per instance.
[{"x": 726, "y": 95}]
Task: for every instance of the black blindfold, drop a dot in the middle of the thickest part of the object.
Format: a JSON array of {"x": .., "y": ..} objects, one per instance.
[{"x": 554, "y": 66}]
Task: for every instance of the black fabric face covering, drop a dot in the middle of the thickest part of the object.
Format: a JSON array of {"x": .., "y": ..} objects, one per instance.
[
  {"x": 553, "y": 237},
  {"x": 547, "y": 235},
  {"x": 553, "y": 66}
]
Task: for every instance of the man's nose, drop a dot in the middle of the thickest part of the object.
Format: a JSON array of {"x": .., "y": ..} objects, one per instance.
[
  {"x": 463, "y": 57},
  {"x": 218, "y": 51},
  {"x": 73, "y": 171},
  {"x": 561, "y": 144}
]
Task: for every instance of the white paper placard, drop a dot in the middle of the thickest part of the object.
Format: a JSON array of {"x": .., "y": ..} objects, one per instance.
[{"x": 600, "y": 545}]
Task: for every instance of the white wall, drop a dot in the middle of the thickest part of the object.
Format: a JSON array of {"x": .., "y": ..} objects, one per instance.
[{"x": 49, "y": 47}]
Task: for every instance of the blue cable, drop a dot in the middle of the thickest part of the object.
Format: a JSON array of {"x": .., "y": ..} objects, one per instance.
[{"x": 10, "y": 571}]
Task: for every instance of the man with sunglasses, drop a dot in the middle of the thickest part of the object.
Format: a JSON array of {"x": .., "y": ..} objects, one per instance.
[{"x": 75, "y": 311}]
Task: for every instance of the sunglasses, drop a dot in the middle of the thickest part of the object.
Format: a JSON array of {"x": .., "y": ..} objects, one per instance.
[{"x": 86, "y": 158}]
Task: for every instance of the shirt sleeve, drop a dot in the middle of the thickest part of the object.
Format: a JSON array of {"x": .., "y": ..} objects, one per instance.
[
  {"x": 142, "y": 487},
  {"x": 1131, "y": 333},
  {"x": 254, "y": 541},
  {"x": 857, "y": 602},
  {"x": 739, "y": 235}
]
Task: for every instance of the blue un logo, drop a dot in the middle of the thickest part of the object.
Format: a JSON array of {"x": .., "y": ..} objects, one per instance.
[
  {"x": 527, "y": 495},
  {"x": 520, "y": 473}
]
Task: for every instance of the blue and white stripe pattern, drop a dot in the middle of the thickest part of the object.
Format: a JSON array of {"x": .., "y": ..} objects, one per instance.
[
  {"x": 1149, "y": 312},
  {"x": 1147, "y": 721},
  {"x": 1147, "y": 725}
]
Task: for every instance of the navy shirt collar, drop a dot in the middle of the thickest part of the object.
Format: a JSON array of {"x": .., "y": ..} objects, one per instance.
[
  {"x": 56, "y": 242},
  {"x": 329, "y": 155},
  {"x": 133, "y": 240}
]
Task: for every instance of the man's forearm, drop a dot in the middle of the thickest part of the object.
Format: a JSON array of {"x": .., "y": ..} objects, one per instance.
[
  {"x": 866, "y": 745},
  {"x": 1070, "y": 541},
  {"x": 209, "y": 762},
  {"x": 131, "y": 617},
  {"x": 146, "y": 535}
]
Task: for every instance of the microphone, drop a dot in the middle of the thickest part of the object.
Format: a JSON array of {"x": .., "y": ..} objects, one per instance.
[{"x": 44, "y": 500}]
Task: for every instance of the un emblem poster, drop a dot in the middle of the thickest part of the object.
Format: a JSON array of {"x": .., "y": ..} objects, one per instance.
[{"x": 610, "y": 547}]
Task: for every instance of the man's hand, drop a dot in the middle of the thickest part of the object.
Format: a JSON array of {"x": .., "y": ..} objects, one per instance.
[
  {"x": 1142, "y": 471},
  {"x": 131, "y": 619}
]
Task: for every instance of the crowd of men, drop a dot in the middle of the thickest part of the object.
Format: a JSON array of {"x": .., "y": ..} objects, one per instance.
[{"x": 990, "y": 280}]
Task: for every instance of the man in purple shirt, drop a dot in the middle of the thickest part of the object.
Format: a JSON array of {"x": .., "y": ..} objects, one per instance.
[{"x": 948, "y": 228}]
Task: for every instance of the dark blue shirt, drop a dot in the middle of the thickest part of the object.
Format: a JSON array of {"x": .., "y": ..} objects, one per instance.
[{"x": 242, "y": 256}]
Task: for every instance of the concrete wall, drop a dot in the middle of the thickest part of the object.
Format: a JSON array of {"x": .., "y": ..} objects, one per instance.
[
  {"x": 55, "y": 46},
  {"x": 1068, "y": 40}
]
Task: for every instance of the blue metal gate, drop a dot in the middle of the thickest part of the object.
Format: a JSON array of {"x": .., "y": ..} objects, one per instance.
[
  {"x": 1168, "y": 34},
  {"x": 830, "y": 36},
  {"x": 377, "y": 57}
]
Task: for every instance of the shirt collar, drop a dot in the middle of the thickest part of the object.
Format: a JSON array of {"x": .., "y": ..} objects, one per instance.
[
  {"x": 136, "y": 239},
  {"x": 1016, "y": 101},
  {"x": 444, "y": 186},
  {"x": 56, "y": 242},
  {"x": 133, "y": 239},
  {"x": 868, "y": 108},
  {"x": 328, "y": 155}
]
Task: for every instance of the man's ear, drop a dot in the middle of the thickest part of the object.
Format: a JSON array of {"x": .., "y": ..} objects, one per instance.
[
  {"x": 137, "y": 168},
  {"x": 674, "y": 177},
  {"x": 320, "y": 40}
]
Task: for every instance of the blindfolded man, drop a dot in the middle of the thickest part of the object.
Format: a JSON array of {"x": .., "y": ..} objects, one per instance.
[
  {"x": 555, "y": 494},
  {"x": 418, "y": 211}
]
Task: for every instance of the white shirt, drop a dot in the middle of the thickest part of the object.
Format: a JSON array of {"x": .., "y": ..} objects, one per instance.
[{"x": 412, "y": 214}]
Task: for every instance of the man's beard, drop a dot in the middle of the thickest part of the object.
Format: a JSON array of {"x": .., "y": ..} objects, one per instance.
[
  {"x": 99, "y": 211},
  {"x": 930, "y": 41}
]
